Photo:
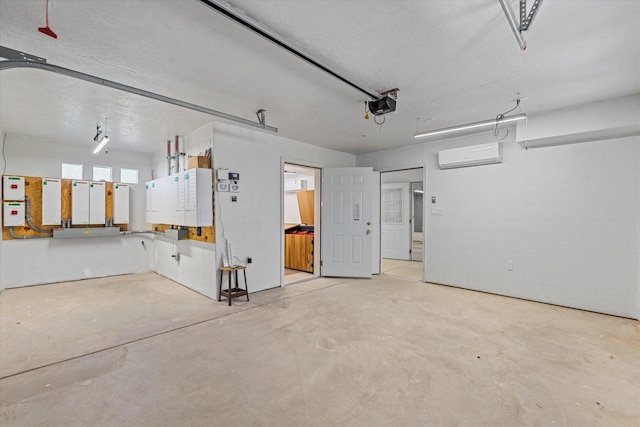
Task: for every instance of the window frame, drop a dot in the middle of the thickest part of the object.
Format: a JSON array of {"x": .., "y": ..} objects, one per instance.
[
  {"x": 65, "y": 176},
  {"x": 130, "y": 182},
  {"x": 93, "y": 175}
]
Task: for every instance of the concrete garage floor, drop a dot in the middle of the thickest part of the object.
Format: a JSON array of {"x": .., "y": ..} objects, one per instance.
[{"x": 140, "y": 350}]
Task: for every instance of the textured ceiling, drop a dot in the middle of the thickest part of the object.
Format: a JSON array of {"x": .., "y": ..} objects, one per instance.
[{"x": 454, "y": 62}]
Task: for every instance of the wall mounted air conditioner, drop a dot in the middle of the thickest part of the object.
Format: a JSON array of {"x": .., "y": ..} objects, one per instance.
[{"x": 483, "y": 154}]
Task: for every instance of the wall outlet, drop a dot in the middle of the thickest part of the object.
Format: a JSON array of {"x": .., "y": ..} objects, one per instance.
[
  {"x": 249, "y": 260},
  {"x": 510, "y": 266}
]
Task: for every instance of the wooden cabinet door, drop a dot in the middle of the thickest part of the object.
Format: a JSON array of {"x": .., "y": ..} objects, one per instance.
[{"x": 298, "y": 252}]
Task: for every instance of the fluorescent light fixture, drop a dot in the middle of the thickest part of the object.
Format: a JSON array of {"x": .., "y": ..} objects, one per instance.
[
  {"x": 418, "y": 191},
  {"x": 103, "y": 141},
  {"x": 458, "y": 128}
]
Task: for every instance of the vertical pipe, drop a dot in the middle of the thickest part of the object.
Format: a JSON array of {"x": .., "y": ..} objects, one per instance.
[
  {"x": 513, "y": 24},
  {"x": 168, "y": 157},
  {"x": 177, "y": 153}
]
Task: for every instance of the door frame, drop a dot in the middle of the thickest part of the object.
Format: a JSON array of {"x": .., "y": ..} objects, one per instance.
[
  {"x": 425, "y": 217},
  {"x": 413, "y": 217},
  {"x": 406, "y": 227},
  {"x": 317, "y": 197}
]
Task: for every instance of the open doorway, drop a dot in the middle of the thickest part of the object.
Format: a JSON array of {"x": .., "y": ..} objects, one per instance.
[
  {"x": 402, "y": 223},
  {"x": 301, "y": 207}
]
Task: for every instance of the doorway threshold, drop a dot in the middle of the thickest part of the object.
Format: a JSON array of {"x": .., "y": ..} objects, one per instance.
[{"x": 299, "y": 277}]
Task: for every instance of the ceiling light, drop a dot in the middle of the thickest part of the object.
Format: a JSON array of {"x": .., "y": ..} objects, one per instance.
[
  {"x": 467, "y": 126},
  {"x": 104, "y": 140}
]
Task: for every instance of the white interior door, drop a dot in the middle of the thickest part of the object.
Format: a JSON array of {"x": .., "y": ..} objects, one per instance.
[
  {"x": 347, "y": 222},
  {"x": 396, "y": 224}
]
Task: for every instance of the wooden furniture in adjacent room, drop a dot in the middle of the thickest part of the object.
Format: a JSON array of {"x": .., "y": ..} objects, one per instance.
[
  {"x": 233, "y": 292},
  {"x": 298, "y": 238}
]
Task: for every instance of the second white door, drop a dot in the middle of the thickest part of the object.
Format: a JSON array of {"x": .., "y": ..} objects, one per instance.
[{"x": 396, "y": 221}]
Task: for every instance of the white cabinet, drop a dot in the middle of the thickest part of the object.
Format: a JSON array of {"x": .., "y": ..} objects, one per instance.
[
  {"x": 13, "y": 214},
  {"x": 13, "y": 188},
  {"x": 120, "y": 203},
  {"x": 183, "y": 199},
  {"x": 150, "y": 217},
  {"x": 97, "y": 202},
  {"x": 51, "y": 204},
  {"x": 80, "y": 202},
  {"x": 198, "y": 186}
]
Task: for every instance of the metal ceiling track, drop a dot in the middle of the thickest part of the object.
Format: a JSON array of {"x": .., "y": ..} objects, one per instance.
[
  {"x": 525, "y": 20},
  {"x": 24, "y": 63},
  {"x": 226, "y": 10}
]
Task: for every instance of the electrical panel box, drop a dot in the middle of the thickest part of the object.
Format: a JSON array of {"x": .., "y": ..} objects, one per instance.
[
  {"x": 97, "y": 202},
  {"x": 13, "y": 214},
  {"x": 51, "y": 204},
  {"x": 199, "y": 211},
  {"x": 184, "y": 198},
  {"x": 120, "y": 203},
  {"x": 177, "y": 198},
  {"x": 13, "y": 188},
  {"x": 174, "y": 234},
  {"x": 80, "y": 202},
  {"x": 150, "y": 216}
]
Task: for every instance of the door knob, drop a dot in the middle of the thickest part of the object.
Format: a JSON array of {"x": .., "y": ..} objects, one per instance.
[{"x": 369, "y": 232}]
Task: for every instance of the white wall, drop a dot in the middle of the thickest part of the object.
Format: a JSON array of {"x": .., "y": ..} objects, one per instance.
[
  {"x": 568, "y": 217},
  {"x": 196, "y": 267},
  {"x": 254, "y": 223},
  {"x": 35, "y": 261}
]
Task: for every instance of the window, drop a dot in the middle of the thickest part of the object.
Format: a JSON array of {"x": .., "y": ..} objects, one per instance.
[
  {"x": 101, "y": 173},
  {"x": 129, "y": 176},
  {"x": 71, "y": 171},
  {"x": 392, "y": 206}
]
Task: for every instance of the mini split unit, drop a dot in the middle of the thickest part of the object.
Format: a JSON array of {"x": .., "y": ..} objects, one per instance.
[{"x": 475, "y": 155}]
